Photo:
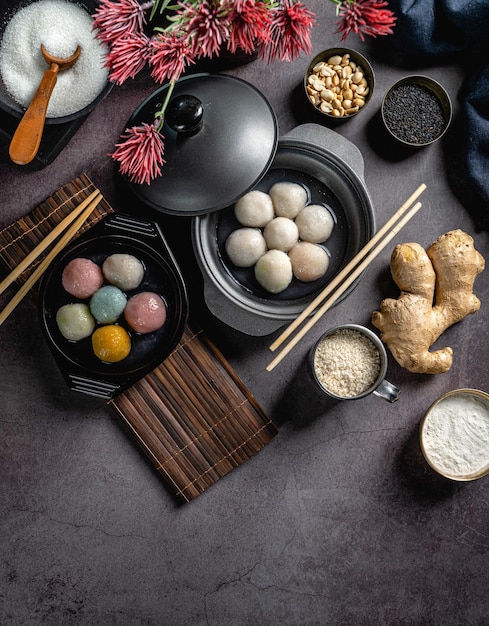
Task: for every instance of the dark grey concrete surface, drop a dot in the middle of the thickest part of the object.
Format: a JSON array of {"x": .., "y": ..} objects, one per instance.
[{"x": 339, "y": 521}]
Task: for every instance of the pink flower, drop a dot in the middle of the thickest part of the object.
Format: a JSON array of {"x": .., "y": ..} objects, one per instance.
[
  {"x": 140, "y": 154},
  {"x": 290, "y": 32},
  {"x": 170, "y": 55},
  {"x": 250, "y": 22},
  {"x": 207, "y": 25},
  {"x": 127, "y": 57},
  {"x": 365, "y": 17},
  {"x": 119, "y": 19}
]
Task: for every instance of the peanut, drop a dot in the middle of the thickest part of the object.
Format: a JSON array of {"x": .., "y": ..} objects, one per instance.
[{"x": 337, "y": 86}]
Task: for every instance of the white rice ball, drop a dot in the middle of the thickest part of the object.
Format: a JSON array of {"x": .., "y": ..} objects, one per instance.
[
  {"x": 245, "y": 246},
  {"x": 315, "y": 223},
  {"x": 254, "y": 209},
  {"x": 274, "y": 271},
  {"x": 288, "y": 198},
  {"x": 281, "y": 234},
  {"x": 309, "y": 261},
  {"x": 124, "y": 271}
]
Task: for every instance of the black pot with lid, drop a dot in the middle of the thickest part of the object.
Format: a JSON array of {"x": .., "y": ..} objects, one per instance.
[
  {"x": 220, "y": 135},
  {"x": 221, "y": 141}
]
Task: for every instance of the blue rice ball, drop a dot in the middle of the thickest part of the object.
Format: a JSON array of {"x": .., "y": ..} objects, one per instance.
[{"x": 107, "y": 304}]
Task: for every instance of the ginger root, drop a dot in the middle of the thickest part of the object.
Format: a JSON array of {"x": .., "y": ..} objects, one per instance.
[{"x": 411, "y": 324}]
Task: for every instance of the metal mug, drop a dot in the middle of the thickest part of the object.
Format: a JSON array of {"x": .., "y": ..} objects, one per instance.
[{"x": 381, "y": 387}]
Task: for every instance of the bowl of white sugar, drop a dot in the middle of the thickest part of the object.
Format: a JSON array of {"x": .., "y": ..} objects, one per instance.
[
  {"x": 454, "y": 435},
  {"x": 61, "y": 26}
]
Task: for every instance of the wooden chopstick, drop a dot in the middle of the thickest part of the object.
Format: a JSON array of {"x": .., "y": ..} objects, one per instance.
[
  {"x": 347, "y": 281},
  {"x": 346, "y": 270},
  {"x": 39, "y": 249},
  {"x": 88, "y": 206}
]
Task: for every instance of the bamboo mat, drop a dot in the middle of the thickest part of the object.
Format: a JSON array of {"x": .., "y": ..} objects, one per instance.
[{"x": 192, "y": 416}]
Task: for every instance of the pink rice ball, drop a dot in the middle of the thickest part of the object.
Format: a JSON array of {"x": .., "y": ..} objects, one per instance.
[
  {"x": 82, "y": 278},
  {"x": 145, "y": 312}
]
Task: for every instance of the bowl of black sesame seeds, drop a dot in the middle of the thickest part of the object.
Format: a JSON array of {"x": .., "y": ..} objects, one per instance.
[{"x": 416, "y": 111}]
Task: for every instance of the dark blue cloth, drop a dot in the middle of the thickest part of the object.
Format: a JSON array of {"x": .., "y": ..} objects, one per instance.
[{"x": 435, "y": 29}]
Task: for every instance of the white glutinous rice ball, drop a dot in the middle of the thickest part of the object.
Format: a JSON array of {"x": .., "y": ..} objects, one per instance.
[
  {"x": 123, "y": 270},
  {"x": 315, "y": 223},
  {"x": 288, "y": 198},
  {"x": 309, "y": 261},
  {"x": 254, "y": 209},
  {"x": 245, "y": 246},
  {"x": 274, "y": 271},
  {"x": 281, "y": 234}
]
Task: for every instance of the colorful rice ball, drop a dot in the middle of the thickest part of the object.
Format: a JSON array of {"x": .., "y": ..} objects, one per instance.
[
  {"x": 145, "y": 312},
  {"x": 123, "y": 270},
  {"x": 75, "y": 322},
  {"x": 81, "y": 278},
  {"x": 107, "y": 304}
]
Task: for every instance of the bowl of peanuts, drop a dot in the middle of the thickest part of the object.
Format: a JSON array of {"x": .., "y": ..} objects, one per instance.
[{"x": 339, "y": 83}]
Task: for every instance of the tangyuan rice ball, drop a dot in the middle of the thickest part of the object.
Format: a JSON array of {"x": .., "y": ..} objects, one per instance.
[
  {"x": 309, "y": 261},
  {"x": 245, "y": 246},
  {"x": 254, "y": 209},
  {"x": 274, "y": 271},
  {"x": 145, "y": 312},
  {"x": 123, "y": 270},
  {"x": 75, "y": 322},
  {"x": 288, "y": 198},
  {"x": 82, "y": 277},
  {"x": 315, "y": 223},
  {"x": 111, "y": 343},
  {"x": 107, "y": 304},
  {"x": 281, "y": 234}
]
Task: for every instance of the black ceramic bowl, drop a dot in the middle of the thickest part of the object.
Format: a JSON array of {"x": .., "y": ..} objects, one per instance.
[
  {"x": 82, "y": 370},
  {"x": 416, "y": 111},
  {"x": 7, "y": 103},
  {"x": 324, "y": 106},
  {"x": 331, "y": 170}
]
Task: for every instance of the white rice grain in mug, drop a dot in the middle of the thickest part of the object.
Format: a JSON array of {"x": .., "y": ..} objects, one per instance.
[
  {"x": 61, "y": 26},
  {"x": 347, "y": 363}
]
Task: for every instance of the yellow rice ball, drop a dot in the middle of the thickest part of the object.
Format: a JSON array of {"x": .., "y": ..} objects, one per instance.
[{"x": 111, "y": 343}]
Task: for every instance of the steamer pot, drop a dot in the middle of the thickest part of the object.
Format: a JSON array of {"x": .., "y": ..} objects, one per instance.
[
  {"x": 333, "y": 169},
  {"x": 229, "y": 144}
]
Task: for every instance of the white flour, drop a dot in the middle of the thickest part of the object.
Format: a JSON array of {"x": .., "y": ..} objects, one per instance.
[
  {"x": 456, "y": 435},
  {"x": 61, "y": 26}
]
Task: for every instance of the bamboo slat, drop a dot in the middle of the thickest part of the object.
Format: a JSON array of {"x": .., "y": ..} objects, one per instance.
[
  {"x": 193, "y": 416},
  {"x": 18, "y": 239}
]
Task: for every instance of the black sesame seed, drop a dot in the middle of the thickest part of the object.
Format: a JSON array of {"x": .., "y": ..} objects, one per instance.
[{"x": 413, "y": 114}]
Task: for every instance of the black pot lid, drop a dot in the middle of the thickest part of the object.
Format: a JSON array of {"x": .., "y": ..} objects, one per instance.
[{"x": 221, "y": 135}]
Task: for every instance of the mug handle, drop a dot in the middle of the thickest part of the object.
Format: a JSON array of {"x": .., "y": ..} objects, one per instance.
[{"x": 387, "y": 390}]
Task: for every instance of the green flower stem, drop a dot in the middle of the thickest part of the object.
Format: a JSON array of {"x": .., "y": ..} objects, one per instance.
[{"x": 160, "y": 115}]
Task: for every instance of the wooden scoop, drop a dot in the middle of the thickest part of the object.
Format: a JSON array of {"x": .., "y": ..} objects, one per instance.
[{"x": 27, "y": 137}]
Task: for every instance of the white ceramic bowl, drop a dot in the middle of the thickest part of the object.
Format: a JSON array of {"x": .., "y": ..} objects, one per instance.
[{"x": 454, "y": 435}]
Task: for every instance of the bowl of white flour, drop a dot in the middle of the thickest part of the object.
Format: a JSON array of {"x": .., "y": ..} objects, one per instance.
[
  {"x": 60, "y": 25},
  {"x": 454, "y": 435}
]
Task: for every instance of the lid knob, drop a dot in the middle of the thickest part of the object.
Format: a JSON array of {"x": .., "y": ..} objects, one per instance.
[{"x": 184, "y": 114}]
